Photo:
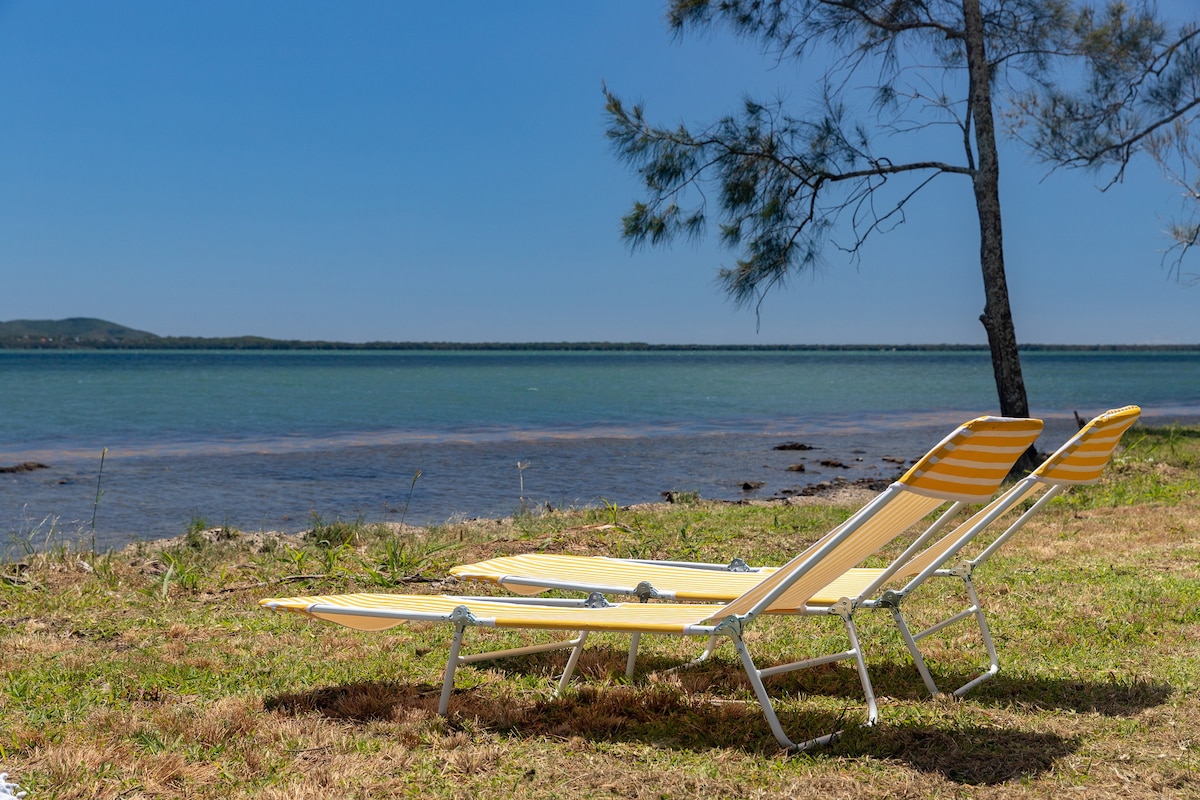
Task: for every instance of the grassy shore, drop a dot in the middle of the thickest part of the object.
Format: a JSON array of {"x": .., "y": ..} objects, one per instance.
[{"x": 152, "y": 672}]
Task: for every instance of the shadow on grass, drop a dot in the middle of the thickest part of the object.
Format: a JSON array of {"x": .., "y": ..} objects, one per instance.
[
  {"x": 1111, "y": 698},
  {"x": 971, "y": 755},
  {"x": 357, "y": 702},
  {"x": 666, "y": 716},
  {"x": 1114, "y": 697},
  {"x": 653, "y": 715},
  {"x": 721, "y": 677}
]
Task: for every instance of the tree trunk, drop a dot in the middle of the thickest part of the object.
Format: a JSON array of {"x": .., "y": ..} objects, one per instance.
[{"x": 997, "y": 314}]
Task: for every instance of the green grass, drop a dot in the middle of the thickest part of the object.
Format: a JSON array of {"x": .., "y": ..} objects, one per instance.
[{"x": 153, "y": 673}]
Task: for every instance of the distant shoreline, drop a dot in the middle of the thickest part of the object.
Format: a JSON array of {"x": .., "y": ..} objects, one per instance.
[
  {"x": 170, "y": 343},
  {"x": 194, "y": 344},
  {"x": 95, "y": 334}
]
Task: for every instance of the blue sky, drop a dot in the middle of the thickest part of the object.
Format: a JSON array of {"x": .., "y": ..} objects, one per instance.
[{"x": 438, "y": 172}]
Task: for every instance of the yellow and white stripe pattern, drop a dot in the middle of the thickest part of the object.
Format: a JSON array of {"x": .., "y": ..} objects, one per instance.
[
  {"x": 897, "y": 511},
  {"x": 970, "y": 463},
  {"x": 519, "y": 573},
  {"x": 374, "y": 612},
  {"x": 617, "y": 576},
  {"x": 1083, "y": 458}
]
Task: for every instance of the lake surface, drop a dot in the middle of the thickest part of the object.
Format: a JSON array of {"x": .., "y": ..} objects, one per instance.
[{"x": 267, "y": 440}]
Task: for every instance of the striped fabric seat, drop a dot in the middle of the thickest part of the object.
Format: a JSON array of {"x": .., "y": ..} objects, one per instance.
[
  {"x": 617, "y": 576},
  {"x": 375, "y": 612},
  {"x": 969, "y": 464}
]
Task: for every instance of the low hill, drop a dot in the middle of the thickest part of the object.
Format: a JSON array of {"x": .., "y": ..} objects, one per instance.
[{"x": 73, "y": 332}]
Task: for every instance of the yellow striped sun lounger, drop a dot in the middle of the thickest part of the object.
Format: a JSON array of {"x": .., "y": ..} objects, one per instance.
[
  {"x": 967, "y": 466},
  {"x": 1080, "y": 460}
]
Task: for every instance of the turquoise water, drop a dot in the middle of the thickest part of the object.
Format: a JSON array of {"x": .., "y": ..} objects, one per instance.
[{"x": 258, "y": 439}]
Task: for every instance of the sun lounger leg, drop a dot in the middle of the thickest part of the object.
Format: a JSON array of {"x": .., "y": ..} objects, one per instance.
[
  {"x": 989, "y": 645},
  {"x": 755, "y": 676},
  {"x": 451, "y": 666},
  {"x": 859, "y": 662},
  {"x": 760, "y": 691},
  {"x": 571, "y": 662},
  {"x": 914, "y": 650},
  {"x": 631, "y": 662},
  {"x": 911, "y": 640},
  {"x": 633, "y": 648},
  {"x": 698, "y": 660},
  {"x": 892, "y": 601}
]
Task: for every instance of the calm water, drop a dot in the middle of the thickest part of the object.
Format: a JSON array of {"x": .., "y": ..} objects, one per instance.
[{"x": 267, "y": 440}]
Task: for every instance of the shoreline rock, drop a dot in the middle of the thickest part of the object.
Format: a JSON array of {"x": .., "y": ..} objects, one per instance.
[{"x": 26, "y": 466}]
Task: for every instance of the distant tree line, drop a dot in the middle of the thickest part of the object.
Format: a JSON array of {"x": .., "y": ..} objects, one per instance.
[
  {"x": 96, "y": 334},
  {"x": 255, "y": 343}
]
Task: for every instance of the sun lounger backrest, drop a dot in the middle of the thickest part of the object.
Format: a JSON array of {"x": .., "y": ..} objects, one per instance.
[
  {"x": 968, "y": 464},
  {"x": 1081, "y": 459},
  {"x": 972, "y": 462},
  {"x": 1085, "y": 455}
]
